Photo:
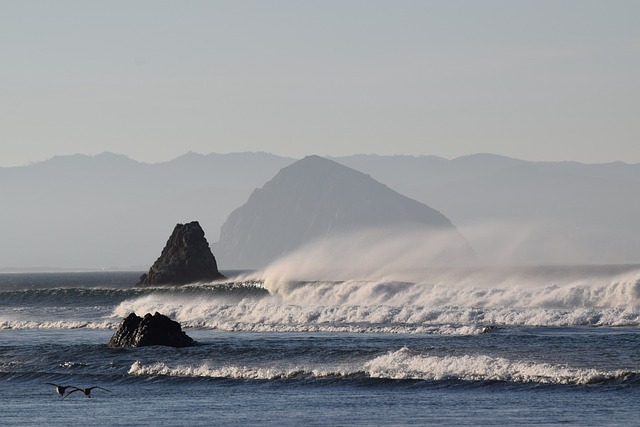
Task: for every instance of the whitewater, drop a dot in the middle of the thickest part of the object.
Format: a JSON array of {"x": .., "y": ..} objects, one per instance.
[{"x": 464, "y": 346}]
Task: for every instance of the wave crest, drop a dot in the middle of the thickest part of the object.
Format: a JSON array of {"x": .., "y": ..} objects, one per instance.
[
  {"x": 356, "y": 306},
  {"x": 403, "y": 364},
  {"x": 58, "y": 324},
  {"x": 230, "y": 372}
]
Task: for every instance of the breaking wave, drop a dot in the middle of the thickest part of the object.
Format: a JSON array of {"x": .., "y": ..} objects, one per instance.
[
  {"x": 233, "y": 372},
  {"x": 403, "y": 364},
  {"x": 453, "y": 304},
  {"x": 401, "y": 307},
  {"x": 82, "y": 296},
  {"x": 58, "y": 324}
]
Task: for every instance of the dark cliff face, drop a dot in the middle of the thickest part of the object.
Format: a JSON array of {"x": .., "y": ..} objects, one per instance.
[
  {"x": 186, "y": 258},
  {"x": 312, "y": 199}
]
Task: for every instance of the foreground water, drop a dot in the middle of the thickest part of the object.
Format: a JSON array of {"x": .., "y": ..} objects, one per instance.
[{"x": 541, "y": 347}]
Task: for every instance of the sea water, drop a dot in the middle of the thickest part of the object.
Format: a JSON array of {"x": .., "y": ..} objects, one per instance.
[{"x": 538, "y": 346}]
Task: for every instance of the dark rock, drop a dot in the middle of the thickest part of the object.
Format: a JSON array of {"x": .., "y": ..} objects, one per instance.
[
  {"x": 135, "y": 331},
  {"x": 186, "y": 258}
]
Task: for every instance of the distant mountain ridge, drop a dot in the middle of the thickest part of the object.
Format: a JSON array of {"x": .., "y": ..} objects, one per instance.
[
  {"x": 530, "y": 212},
  {"x": 310, "y": 199},
  {"x": 107, "y": 210},
  {"x": 74, "y": 212}
]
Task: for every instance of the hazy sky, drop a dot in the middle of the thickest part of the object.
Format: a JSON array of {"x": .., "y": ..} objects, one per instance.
[{"x": 536, "y": 80}]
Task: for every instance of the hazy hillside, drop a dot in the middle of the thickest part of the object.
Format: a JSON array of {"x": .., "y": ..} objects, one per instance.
[
  {"x": 317, "y": 198},
  {"x": 108, "y": 210},
  {"x": 525, "y": 212}
]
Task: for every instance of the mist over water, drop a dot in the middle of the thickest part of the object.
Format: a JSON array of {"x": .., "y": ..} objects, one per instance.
[
  {"x": 419, "y": 268},
  {"x": 402, "y": 282},
  {"x": 388, "y": 282},
  {"x": 374, "y": 254}
]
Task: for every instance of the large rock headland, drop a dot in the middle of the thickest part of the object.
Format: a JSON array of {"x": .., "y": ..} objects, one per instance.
[{"x": 316, "y": 198}]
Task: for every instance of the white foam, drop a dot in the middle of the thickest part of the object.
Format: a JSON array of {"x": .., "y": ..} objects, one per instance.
[
  {"x": 230, "y": 371},
  {"x": 59, "y": 324},
  {"x": 385, "y": 306},
  {"x": 403, "y": 364},
  {"x": 620, "y": 292}
]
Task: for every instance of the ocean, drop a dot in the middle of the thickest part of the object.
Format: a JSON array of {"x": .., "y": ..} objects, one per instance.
[{"x": 517, "y": 346}]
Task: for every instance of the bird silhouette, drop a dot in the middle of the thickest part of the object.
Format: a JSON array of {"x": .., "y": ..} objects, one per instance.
[
  {"x": 86, "y": 391},
  {"x": 60, "y": 389}
]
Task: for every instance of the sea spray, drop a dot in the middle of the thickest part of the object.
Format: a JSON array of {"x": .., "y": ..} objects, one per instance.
[
  {"x": 402, "y": 307},
  {"x": 384, "y": 253}
]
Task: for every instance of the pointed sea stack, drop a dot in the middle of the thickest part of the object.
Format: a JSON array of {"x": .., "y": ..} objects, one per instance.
[{"x": 186, "y": 258}]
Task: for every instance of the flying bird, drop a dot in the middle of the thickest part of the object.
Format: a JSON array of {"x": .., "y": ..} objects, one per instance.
[
  {"x": 60, "y": 389},
  {"x": 86, "y": 391}
]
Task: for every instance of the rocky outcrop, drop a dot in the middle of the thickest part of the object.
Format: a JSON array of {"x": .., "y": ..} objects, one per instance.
[
  {"x": 136, "y": 331},
  {"x": 186, "y": 258}
]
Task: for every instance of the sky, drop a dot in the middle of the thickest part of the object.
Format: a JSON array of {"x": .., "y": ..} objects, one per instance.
[{"x": 540, "y": 80}]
